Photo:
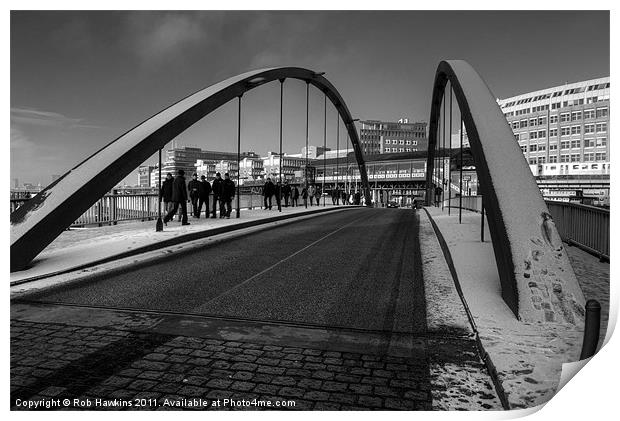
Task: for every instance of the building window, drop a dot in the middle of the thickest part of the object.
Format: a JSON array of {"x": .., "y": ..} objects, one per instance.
[
  {"x": 533, "y": 135},
  {"x": 517, "y": 137},
  {"x": 601, "y": 128},
  {"x": 589, "y": 143},
  {"x": 542, "y": 134},
  {"x": 575, "y": 144},
  {"x": 515, "y": 124},
  {"x": 565, "y": 144},
  {"x": 532, "y": 161},
  {"x": 602, "y": 156},
  {"x": 553, "y": 159},
  {"x": 553, "y": 132},
  {"x": 588, "y": 157},
  {"x": 533, "y": 148},
  {"x": 588, "y": 114},
  {"x": 532, "y": 122},
  {"x": 522, "y": 124},
  {"x": 553, "y": 119},
  {"x": 575, "y": 130},
  {"x": 553, "y": 146},
  {"x": 575, "y": 115},
  {"x": 564, "y": 117},
  {"x": 387, "y": 149},
  {"x": 588, "y": 128},
  {"x": 601, "y": 141},
  {"x": 602, "y": 112},
  {"x": 542, "y": 148},
  {"x": 542, "y": 121},
  {"x": 574, "y": 157},
  {"x": 541, "y": 159},
  {"x": 565, "y": 131},
  {"x": 524, "y": 148}
]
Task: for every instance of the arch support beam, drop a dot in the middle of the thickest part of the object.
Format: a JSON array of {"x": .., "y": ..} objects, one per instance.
[
  {"x": 537, "y": 280},
  {"x": 38, "y": 222}
]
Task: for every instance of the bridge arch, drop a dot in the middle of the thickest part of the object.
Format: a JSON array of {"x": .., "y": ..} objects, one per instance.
[
  {"x": 39, "y": 221},
  {"x": 537, "y": 280}
]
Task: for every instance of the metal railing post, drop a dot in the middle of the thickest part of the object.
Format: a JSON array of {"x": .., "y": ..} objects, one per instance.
[{"x": 591, "y": 330}]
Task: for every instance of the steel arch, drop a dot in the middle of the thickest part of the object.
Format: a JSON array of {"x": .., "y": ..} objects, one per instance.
[
  {"x": 38, "y": 222},
  {"x": 537, "y": 280}
]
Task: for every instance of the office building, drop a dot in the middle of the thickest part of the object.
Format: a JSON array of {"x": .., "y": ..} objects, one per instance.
[
  {"x": 564, "y": 130},
  {"x": 377, "y": 137}
]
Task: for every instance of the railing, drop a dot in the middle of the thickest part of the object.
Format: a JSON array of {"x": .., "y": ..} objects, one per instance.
[
  {"x": 113, "y": 208},
  {"x": 472, "y": 203},
  {"x": 585, "y": 226}
]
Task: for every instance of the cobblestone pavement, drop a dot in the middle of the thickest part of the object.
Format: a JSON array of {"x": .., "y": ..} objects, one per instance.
[{"x": 57, "y": 362}]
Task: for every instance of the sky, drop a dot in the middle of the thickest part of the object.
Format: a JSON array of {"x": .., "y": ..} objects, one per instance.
[{"x": 81, "y": 79}]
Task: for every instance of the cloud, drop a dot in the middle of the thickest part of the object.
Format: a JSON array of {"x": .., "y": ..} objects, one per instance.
[
  {"x": 30, "y": 116},
  {"x": 163, "y": 36}
]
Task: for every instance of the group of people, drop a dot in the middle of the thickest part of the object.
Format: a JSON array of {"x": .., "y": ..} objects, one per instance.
[
  {"x": 176, "y": 193},
  {"x": 309, "y": 194}
]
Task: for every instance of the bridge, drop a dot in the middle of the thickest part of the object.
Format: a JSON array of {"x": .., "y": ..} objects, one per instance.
[{"x": 327, "y": 305}]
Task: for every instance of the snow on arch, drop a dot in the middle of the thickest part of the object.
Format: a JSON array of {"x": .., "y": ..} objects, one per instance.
[
  {"x": 537, "y": 280},
  {"x": 39, "y": 221}
]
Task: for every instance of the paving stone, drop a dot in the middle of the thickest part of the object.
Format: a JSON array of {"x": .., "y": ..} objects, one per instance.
[
  {"x": 141, "y": 384},
  {"x": 193, "y": 391},
  {"x": 345, "y": 398},
  {"x": 361, "y": 389},
  {"x": 284, "y": 380},
  {"x": 244, "y": 366},
  {"x": 291, "y": 392},
  {"x": 243, "y": 375},
  {"x": 334, "y": 386},
  {"x": 270, "y": 370},
  {"x": 324, "y": 375},
  {"x": 267, "y": 388},
  {"x": 268, "y": 361},
  {"x": 402, "y": 404},
  {"x": 370, "y": 401},
  {"x": 243, "y": 386}
]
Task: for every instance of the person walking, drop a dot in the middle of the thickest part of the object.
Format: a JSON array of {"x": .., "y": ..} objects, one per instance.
[
  {"x": 304, "y": 196},
  {"x": 193, "y": 187},
  {"x": 228, "y": 193},
  {"x": 268, "y": 191},
  {"x": 317, "y": 195},
  {"x": 217, "y": 192},
  {"x": 286, "y": 192},
  {"x": 294, "y": 196},
  {"x": 204, "y": 190},
  {"x": 344, "y": 196},
  {"x": 438, "y": 193},
  {"x": 179, "y": 197},
  {"x": 278, "y": 194},
  {"x": 358, "y": 197},
  {"x": 165, "y": 193},
  {"x": 311, "y": 193}
]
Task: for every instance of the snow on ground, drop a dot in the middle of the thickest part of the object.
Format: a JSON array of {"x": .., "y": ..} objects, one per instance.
[
  {"x": 77, "y": 247},
  {"x": 527, "y": 356}
]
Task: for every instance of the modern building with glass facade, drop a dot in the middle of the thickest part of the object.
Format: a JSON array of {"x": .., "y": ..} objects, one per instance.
[{"x": 564, "y": 130}]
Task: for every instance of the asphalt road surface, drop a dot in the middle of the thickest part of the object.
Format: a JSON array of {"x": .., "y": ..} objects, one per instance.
[{"x": 354, "y": 269}]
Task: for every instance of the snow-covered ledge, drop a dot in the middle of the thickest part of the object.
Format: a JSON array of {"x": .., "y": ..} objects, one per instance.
[
  {"x": 39, "y": 221},
  {"x": 538, "y": 282}
]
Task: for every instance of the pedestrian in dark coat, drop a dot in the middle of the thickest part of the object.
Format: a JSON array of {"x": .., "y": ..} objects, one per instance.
[
  {"x": 278, "y": 194},
  {"x": 179, "y": 197},
  {"x": 344, "y": 197},
  {"x": 228, "y": 192},
  {"x": 165, "y": 192},
  {"x": 193, "y": 188},
  {"x": 268, "y": 191},
  {"x": 204, "y": 190},
  {"x": 317, "y": 194},
  {"x": 304, "y": 196},
  {"x": 217, "y": 192},
  {"x": 286, "y": 192},
  {"x": 294, "y": 196}
]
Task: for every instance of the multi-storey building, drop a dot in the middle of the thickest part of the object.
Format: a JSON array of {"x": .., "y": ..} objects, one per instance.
[
  {"x": 563, "y": 130},
  {"x": 379, "y": 137},
  {"x": 144, "y": 175},
  {"x": 292, "y": 165},
  {"x": 185, "y": 158}
]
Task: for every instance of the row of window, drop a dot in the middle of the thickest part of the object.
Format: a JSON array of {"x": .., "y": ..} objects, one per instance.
[
  {"x": 400, "y": 149},
  {"x": 567, "y": 144},
  {"x": 401, "y": 142},
  {"x": 558, "y": 93},
  {"x": 564, "y": 131},
  {"x": 587, "y": 157},
  {"x": 554, "y": 106},
  {"x": 601, "y": 112}
]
